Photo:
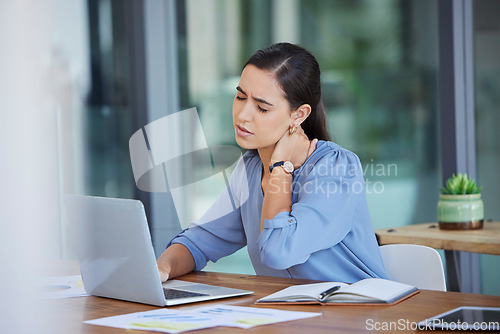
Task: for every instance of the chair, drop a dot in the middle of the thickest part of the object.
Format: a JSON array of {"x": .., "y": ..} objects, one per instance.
[{"x": 416, "y": 265}]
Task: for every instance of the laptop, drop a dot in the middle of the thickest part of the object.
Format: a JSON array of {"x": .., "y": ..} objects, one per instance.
[{"x": 117, "y": 259}]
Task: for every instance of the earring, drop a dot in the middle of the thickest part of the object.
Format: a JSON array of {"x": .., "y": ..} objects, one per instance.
[{"x": 291, "y": 130}]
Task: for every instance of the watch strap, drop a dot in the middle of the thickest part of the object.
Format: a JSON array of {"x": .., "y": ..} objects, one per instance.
[
  {"x": 286, "y": 165},
  {"x": 276, "y": 164}
]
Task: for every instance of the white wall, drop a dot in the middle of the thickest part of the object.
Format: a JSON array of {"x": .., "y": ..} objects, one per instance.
[{"x": 35, "y": 36}]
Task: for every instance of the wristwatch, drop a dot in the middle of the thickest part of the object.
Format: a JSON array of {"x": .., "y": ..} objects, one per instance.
[{"x": 286, "y": 165}]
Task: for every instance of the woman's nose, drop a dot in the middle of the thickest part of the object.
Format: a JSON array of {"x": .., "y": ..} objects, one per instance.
[{"x": 245, "y": 112}]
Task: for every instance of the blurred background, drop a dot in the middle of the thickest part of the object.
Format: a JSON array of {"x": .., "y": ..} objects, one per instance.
[{"x": 109, "y": 67}]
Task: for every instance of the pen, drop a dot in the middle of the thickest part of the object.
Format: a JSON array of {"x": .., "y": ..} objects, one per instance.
[{"x": 328, "y": 292}]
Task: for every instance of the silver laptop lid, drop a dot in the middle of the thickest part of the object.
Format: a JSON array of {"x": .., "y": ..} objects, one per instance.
[{"x": 115, "y": 249}]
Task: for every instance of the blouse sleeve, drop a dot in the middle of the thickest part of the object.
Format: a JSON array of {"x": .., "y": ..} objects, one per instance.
[
  {"x": 321, "y": 216},
  {"x": 220, "y": 231}
]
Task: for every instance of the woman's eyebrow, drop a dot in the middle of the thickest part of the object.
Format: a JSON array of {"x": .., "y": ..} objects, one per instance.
[
  {"x": 241, "y": 90},
  {"x": 255, "y": 98},
  {"x": 262, "y": 101}
]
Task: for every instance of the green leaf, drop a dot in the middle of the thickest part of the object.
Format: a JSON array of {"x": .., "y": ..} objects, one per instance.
[{"x": 460, "y": 184}]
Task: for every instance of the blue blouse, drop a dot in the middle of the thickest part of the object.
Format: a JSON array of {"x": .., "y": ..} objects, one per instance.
[{"x": 327, "y": 236}]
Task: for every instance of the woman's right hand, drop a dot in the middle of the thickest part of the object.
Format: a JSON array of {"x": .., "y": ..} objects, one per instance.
[
  {"x": 163, "y": 269},
  {"x": 164, "y": 266},
  {"x": 163, "y": 276},
  {"x": 175, "y": 261}
]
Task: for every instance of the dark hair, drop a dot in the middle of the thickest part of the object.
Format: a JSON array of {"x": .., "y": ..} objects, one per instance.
[{"x": 299, "y": 76}]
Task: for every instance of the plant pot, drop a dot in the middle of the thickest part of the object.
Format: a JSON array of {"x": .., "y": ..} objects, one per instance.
[{"x": 460, "y": 212}]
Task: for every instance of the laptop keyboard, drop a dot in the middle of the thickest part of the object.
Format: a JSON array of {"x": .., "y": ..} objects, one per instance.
[{"x": 176, "y": 294}]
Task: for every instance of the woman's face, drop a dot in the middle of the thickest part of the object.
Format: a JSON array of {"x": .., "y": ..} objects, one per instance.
[{"x": 261, "y": 114}]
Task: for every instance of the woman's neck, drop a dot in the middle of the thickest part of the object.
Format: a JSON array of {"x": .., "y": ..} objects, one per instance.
[{"x": 265, "y": 155}]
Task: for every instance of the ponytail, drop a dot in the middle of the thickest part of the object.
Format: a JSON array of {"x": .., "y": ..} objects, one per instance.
[{"x": 315, "y": 125}]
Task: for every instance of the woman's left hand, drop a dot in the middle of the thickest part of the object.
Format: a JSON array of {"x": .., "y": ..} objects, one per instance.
[{"x": 295, "y": 148}]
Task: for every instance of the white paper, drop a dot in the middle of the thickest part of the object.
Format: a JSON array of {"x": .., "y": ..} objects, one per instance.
[
  {"x": 247, "y": 317},
  {"x": 161, "y": 320},
  {"x": 62, "y": 287},
  {"x": 176, "y": 321}
]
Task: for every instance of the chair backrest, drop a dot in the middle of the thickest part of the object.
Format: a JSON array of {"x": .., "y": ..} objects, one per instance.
[{"x": 416, "y": 265}]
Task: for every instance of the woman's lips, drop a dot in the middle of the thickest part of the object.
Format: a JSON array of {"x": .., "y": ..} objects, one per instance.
[{"x": 241, "y": 131}]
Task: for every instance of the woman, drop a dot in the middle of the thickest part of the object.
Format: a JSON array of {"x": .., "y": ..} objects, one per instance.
[{"x": 298, "y": 199}]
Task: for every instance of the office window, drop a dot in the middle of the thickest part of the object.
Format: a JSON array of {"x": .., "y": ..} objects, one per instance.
[
  {"x": 107, "y": 120},
  {"x": 94, "y": 104},
  {"x": 379, "y": 71},
  {"x": 379, "y": 66},
  {"x": 487, "y": 117}
]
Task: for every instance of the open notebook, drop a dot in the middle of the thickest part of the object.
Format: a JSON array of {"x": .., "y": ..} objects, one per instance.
[{"x": 373, "y": 291}]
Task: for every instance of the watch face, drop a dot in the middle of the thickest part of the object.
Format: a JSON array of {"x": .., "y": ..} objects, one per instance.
[{"x": 288, "y": 166}]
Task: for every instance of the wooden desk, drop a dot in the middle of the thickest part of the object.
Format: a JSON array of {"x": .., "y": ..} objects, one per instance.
[
  {"x": 340, "y": 319},
  {"x": 485, "y": 240}
]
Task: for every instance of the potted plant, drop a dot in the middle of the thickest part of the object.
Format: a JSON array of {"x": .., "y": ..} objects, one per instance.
[{"x": 460, "y": 206}]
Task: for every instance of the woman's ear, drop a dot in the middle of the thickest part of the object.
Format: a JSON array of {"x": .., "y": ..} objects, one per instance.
[{"x": 300, "y": 115}]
